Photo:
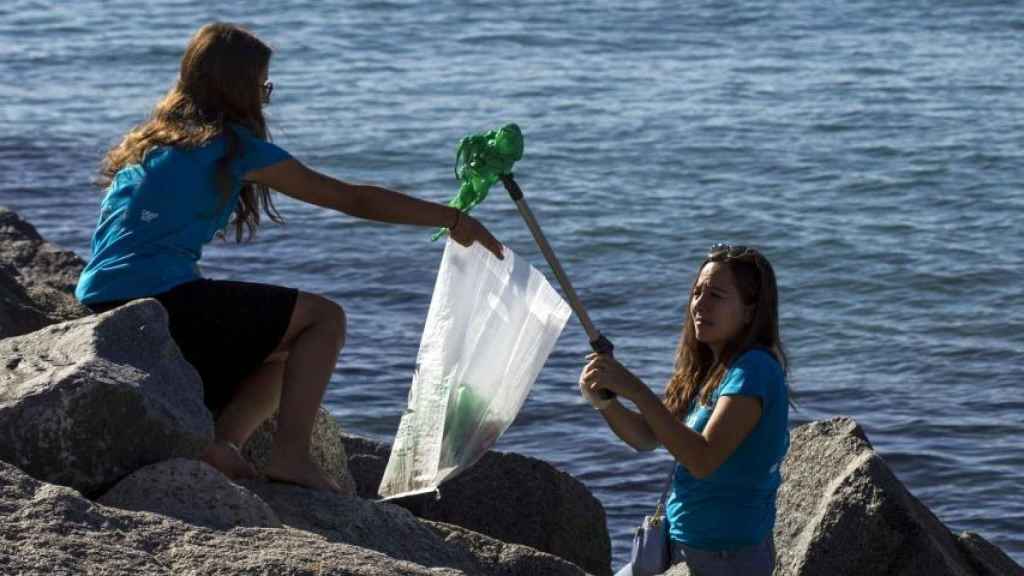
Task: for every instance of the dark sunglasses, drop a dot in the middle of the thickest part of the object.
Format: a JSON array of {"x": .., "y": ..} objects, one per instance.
[
  {"x": 268, "y": 89},
  {"x": 731, "y": 251}
]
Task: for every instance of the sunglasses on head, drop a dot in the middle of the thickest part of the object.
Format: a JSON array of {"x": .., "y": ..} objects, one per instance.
[{"x": 730, "y": 251}]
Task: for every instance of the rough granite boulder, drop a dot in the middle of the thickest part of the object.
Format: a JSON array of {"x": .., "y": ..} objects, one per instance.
[
  {"x": 326, "y": 448},
  {"x": 37, "y": 279},
  {"x": 48, "y": 530},
  {"x": 193, "y": 492},
  {"x": 554, "y": 512},
  {"x": 395, "y": 532},
  {"x": 502, "y": 558},
  {"x": 987, "y": 558},
  {"x": 86, "y": 402},
  {"x": 841, "y": 511}
]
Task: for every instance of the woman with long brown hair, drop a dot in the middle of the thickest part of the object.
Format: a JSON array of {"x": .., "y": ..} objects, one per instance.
[
  {"x": 724, "y": 417},
  {"x": 172, "y": 184}
]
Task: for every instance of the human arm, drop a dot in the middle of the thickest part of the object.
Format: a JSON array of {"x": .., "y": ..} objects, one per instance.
[
  {"x": 627, "y": 424},
  {"x": 294, "y": 179},
  {"x": 731, "y": 422}
]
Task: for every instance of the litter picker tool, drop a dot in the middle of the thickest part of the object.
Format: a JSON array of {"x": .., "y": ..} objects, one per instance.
[{"x": 480, "y": 162}]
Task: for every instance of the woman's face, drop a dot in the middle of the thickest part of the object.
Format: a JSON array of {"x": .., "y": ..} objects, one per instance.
[{"x": 718, "y": 311}]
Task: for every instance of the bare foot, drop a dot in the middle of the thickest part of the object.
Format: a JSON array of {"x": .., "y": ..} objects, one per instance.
[
  {"x": 300, "y": 471},
  {"x": 226, "y": 458}
]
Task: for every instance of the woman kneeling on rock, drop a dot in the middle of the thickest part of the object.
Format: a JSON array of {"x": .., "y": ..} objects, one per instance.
[
  {"x": 173, "y": 183},
  {"x": 724, "y": 417}
]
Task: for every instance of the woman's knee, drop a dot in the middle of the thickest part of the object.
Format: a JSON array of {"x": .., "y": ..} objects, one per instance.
[
  {"x": 330, "y": 317},
  {"x": 313, "y": 311},
  {"x": 337, "y": 321}
]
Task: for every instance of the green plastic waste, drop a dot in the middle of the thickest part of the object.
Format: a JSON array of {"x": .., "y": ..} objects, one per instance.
[
  {"x": 464, "y": 420},
  {"x": 480, "y": 161}
]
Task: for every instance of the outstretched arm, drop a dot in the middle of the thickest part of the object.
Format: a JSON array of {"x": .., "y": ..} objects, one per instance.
[{"x": 293, "y": 178}]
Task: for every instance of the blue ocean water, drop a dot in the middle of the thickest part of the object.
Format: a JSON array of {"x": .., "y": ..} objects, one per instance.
[{"x": 872, "y": 149}]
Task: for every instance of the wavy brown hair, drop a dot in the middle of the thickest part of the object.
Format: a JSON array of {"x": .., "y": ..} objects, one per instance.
[
  {"x": 218, "y": 85},
  {"x": 697, "y": 374}
]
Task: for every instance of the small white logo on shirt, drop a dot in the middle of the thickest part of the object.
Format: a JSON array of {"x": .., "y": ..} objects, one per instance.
[{"x": 148, "y": 216}]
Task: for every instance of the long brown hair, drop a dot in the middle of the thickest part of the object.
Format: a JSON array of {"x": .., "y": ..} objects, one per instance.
[
  {"x": 697, "y": 374},
  {"x": 218, "y": 84}
]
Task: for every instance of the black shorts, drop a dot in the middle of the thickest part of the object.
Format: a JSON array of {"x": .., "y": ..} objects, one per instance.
[{"x": 225, "y": 329}]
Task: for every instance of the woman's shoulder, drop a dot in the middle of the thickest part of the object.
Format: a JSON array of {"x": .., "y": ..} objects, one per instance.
[
  {"x": 759, "y": 355},
  {"x": 241, "y": 131},
  {"x": 760, "y": 361}
]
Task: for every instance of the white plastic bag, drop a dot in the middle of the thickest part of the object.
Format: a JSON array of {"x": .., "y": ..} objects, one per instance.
[{"x": 490, "y": 328}]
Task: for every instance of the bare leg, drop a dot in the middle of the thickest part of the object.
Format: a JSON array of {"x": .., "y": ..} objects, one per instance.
[
  {"x": 254, "y": 401},
  {"x": 312, "y": 356}
]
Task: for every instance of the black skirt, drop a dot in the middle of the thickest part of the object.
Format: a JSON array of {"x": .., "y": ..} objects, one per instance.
[{"x": 225, "y": 329}]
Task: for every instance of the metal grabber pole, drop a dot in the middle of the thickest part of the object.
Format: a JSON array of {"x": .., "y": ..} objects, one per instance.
[{"x": 598, "y": 342}]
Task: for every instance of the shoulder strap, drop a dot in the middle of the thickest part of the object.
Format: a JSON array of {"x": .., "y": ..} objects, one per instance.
[{"x": 664, "y": 493}]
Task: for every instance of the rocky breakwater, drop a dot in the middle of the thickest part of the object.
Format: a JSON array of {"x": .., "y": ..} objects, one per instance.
[
  {"x": 37, "y": 279},
  {"x": 100, "y": 424},
  {"x": 101, "y": 420}
]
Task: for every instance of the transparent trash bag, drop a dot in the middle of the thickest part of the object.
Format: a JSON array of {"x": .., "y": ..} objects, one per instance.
[{"x": 490, "y": 328}]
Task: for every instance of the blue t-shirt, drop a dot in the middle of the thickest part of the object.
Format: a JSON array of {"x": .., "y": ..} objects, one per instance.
[
  {"x": 157, "y": 215},
  {"x": 735, "y": 506}
]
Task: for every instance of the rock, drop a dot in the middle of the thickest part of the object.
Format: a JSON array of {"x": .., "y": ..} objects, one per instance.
[
  {"x": 37, "y": 279},
  {"x": 395, "y": 532},
  {"x": 326, "y": 448},
  {"x": 384, "y": 528},
  {"x": 48, "y": 530},
  {"x": 987, "y": 558},
  {"x": 193, "y": 492},
  {"x": 842, "y": 511},
  {"x": 681, "y": 570},
  {"x": 502, "y": 558},
  {"x": 367, "y": 460},
  {"x": 554, "y": 512},
  {"x": 86, "y": 402}
]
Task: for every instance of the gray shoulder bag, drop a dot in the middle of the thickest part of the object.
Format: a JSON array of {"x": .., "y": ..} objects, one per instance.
[{"x": 652, "y": 551}]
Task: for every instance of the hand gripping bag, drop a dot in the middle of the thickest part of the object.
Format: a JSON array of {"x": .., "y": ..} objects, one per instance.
[{"x": 490, "y": 327}]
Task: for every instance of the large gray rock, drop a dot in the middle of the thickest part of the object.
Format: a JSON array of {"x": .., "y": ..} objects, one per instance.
[
  {"x": 326, "y": 448},
  {"x": 986, "y": 557},
  {"x": 384, "y": 528},
  {"x": 48, "y": 530},
  {"x": 367, "y": 459},
  {"x": 193, "y": 492},
  {"x": 37, "y": 279},
  {"x": 86, "y": 402},
  {"x": 842, "y": 511},
  {"x": 395, "y": 532},
  {"x": 502, "y": 558},
  {"x": 554, "y": 512}
]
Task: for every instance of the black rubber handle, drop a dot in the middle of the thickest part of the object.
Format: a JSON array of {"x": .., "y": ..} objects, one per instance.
[
  {"x": 603, "y": 346},
  {"x": 512, "y": 186}
]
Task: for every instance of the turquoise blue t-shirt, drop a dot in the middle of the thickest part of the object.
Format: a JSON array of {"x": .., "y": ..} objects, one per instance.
[
  {"x": 157, "y": 215},
  {"x": 735, "y": 506}
]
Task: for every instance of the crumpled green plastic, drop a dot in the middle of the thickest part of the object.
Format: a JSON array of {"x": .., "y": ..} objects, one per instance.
[{"x": 480, "y": 161}]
